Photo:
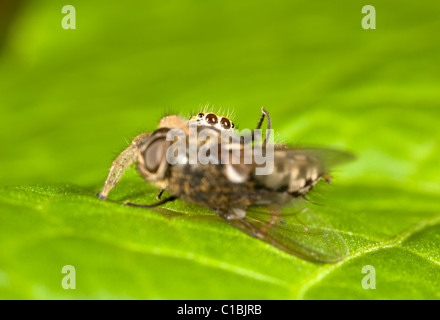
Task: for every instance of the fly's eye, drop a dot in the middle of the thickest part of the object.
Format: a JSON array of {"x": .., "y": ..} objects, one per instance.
[
  {"x": 200, "y": 115},
  {"x": 225, "y": 123},
  {"x": 154, "y": 155},
  {"x": 211, "y": 118}
]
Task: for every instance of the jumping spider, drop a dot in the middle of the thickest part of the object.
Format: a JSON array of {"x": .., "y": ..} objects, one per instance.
[{"x": 253, "y": 203}]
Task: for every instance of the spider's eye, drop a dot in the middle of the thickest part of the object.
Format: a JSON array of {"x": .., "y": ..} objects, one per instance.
[
  {"x": 232, "y": 125},
  {"x": 225, "y": 123},
  {"x": 200, "y": 115},
  {"x": 211, "y": 118}
]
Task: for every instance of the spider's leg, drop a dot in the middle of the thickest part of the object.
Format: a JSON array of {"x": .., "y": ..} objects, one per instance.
[
  {"x": 172, "y": 198},
  {"x": 122, "y": 162}
]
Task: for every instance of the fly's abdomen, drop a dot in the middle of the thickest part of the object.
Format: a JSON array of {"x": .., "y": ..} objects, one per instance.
[{"x": 294, "y": 172}]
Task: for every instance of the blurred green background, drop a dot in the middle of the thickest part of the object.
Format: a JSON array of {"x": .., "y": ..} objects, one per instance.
[{"x": 71, "y": 100}]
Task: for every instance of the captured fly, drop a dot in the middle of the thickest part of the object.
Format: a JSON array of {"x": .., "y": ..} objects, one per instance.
[{"x": 269, "y": 206}]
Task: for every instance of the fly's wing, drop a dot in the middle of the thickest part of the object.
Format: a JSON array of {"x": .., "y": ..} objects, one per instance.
[
  {"x": 328, "y": 157},
  {"x": 296, "y": 230}
]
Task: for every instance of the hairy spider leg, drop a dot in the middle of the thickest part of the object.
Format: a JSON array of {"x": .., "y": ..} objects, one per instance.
[{"x": 120, "y": 164}]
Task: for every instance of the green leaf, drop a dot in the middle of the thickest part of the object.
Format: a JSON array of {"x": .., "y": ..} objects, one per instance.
[
  {"x": 184, "y": 251},
  {"x": 71, "y": 100}
]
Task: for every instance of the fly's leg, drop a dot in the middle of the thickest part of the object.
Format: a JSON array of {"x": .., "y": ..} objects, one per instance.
[
  {"x": 160, "y": 194},
  {"x": 264, "y": 113},
  {"x": 172, "y": 198},
  {"x": 120, "y": 164}
]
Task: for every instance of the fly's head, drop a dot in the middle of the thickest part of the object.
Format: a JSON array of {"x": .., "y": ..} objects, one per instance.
[
  {"x": 151, "y": 158},
  {"x": 154, "y": 153}
]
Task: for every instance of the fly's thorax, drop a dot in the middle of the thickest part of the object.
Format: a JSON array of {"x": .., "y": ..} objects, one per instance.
[
  {"x": 208, "y": 185},
  {"x": 203, "y": 152}
]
